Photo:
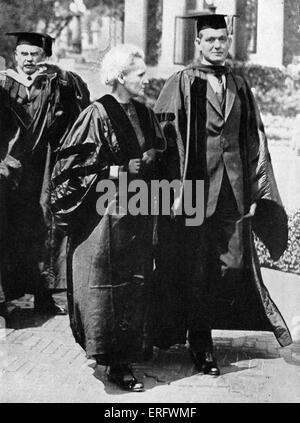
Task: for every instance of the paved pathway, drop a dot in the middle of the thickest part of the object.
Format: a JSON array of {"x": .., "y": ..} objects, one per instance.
[{"x": 40, "y": 362}]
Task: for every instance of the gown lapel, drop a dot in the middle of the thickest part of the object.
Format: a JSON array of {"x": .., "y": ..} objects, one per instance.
[{"x": 231, "y": 93}]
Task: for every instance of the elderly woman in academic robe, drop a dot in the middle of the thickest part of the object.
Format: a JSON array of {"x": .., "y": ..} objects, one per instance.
[{"x": 115, "y": 142}]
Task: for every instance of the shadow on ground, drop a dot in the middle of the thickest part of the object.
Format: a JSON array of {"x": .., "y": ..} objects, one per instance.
[
  {"x": 175, "y": 366},
  {"x": 23, "y": 316}
]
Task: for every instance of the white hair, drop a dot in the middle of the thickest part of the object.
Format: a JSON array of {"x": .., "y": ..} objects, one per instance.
[{"x": 119, "y": 60}]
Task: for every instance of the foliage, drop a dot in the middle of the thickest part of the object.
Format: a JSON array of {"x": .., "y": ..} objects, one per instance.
[
  {"x": 276, "y": 90},
  {"x": 29, "y": 15},
  {"x": 290, "y": 260},
  {"x": 112, "y": 8},
  {"x": 261, "y": 77},
  {"x": 44, "y": 15},
  {"x": 281, "y": 102}
]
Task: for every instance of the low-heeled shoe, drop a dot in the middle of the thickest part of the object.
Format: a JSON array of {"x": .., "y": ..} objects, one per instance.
[
  {"x": 124, "y": 378},
  {"x": 205, "y": 363}
]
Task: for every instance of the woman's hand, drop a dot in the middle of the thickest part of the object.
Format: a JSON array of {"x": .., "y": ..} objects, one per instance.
[
  {"x": 134, "y": 166},
  {"x": 149, "y": 156}
]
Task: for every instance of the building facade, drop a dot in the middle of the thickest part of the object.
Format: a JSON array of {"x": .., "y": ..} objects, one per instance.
[{"x": 266, "y": 31}]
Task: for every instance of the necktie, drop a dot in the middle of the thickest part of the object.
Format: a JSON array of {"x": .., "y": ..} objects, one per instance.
[
  {"x": 216, "y": 70},
  {"x": 221, "y": 90}
]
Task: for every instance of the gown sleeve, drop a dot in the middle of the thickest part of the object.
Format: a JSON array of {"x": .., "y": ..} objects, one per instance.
[{"x": 82, "y": 161}]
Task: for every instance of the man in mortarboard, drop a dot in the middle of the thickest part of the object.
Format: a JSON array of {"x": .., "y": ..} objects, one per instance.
[
  {"x": 45, "y": 102},
  {"x": 208, "y": 276}
]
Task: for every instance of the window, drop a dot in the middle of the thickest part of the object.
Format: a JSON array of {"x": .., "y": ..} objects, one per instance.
[
  {"x": 191, "y": 5},
  {"x": 154, "y": 31},
  {"x": 185, "y": 34},
  {"x": 251, "y": 25}
]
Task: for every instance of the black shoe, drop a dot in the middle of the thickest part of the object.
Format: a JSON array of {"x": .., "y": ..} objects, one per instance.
[
  {"x": 122, "y": 376},
  {"x": 7, "y": 309},
  {"x": 3, "y": 310},
  {"x": 205, "y": 363},
  {"x": 50, "y": 308}
]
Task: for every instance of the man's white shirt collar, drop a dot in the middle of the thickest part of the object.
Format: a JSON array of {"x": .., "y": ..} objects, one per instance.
[
  {"x": 28, "y": 78},
  {"x": 206, "y": 62},
  {"x": 212, "y": 79},
  {"x": 19, "y": 76}
]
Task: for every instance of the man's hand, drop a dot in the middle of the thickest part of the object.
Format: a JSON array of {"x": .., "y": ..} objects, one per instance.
[
  {"x": 149, "y": 156},
  {"x": 134, "y": 166},
  {"x": 251, "y": 212},
  {"x": 4, "y": 171},
  {"x": 46, "y": 66}
]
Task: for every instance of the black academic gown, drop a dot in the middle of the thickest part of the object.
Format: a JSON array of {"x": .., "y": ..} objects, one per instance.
[
  {"x": 10, "y": 172},
  {"x": 252, "y": 308},
  {"x": 110, "y": 257},
  {"x": 41, "y": 117}
]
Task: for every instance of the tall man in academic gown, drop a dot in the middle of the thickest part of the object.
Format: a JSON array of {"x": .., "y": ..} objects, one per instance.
[
  {"x": 45, "y": 101},
  {"x": 208, "y": 276}
]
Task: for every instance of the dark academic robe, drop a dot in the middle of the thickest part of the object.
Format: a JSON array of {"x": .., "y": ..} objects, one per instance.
[
  {"x": 3, "y": 169},
  {"x": 3, "y": 172},
  {"x": 9, "y": 175},
  {"x": 41, "y": 117},
  {"x": 110, "y": 257},
  {"x": 196, "y": 151}
]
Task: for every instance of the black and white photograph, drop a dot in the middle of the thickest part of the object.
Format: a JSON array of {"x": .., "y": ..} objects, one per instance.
[{"x": 150, "y": 204}]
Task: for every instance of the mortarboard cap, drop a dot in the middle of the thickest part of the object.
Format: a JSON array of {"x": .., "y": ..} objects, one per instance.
[
  {"x": 206, "y": 20},
  {"x": 35, "y": 39}
]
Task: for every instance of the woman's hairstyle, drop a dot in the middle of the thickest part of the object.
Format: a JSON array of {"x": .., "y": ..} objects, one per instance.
[{"x": 119, "y": 60}]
